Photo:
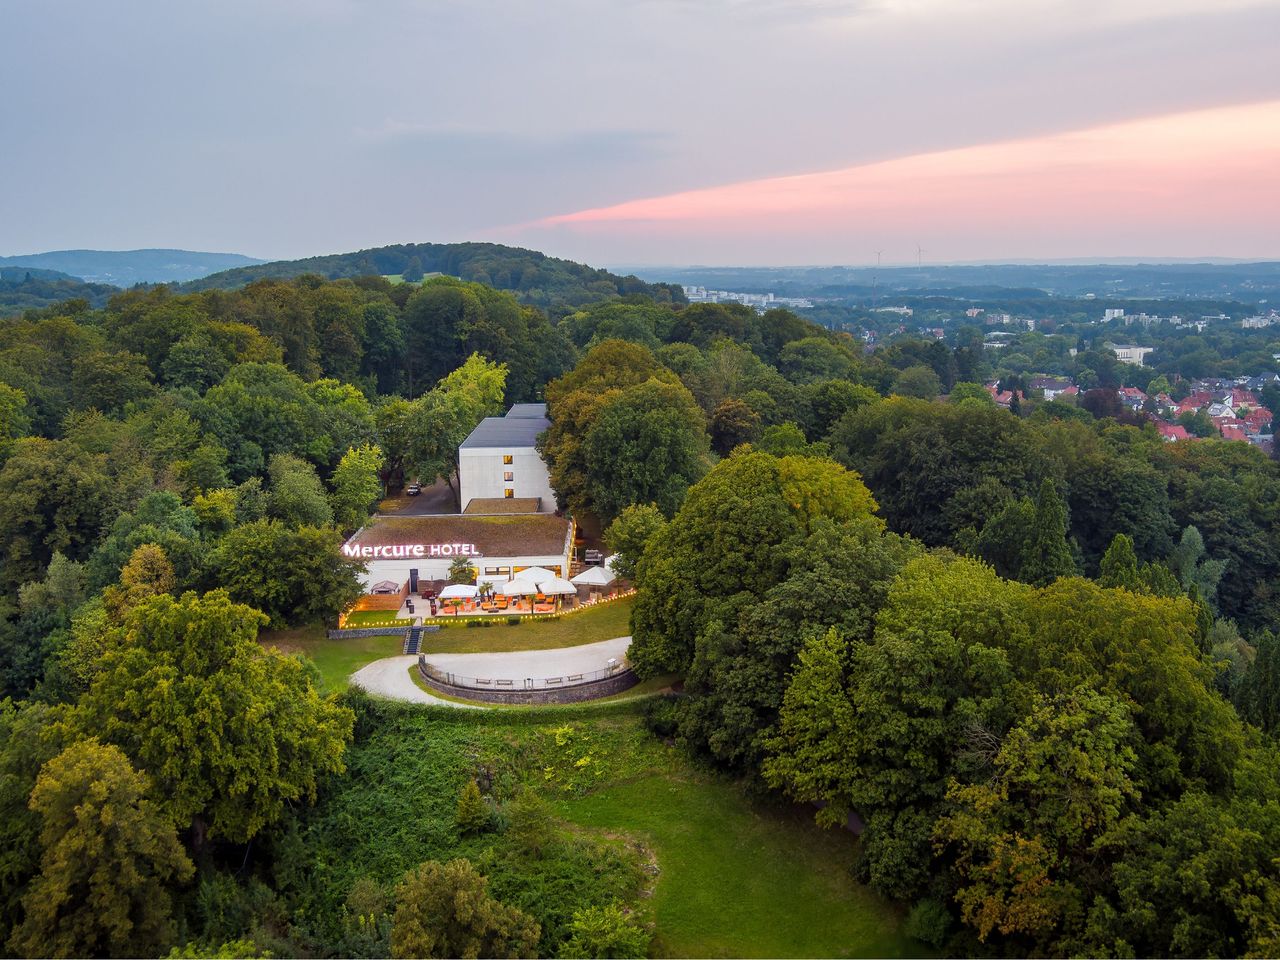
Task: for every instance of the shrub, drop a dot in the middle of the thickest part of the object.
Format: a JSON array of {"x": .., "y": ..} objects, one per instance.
[
  {"x": 662, "y": 715},
  {"x": 513, "y": 621},
  {"x": 605, "y": 932},
  {"x": 472, "y": 815},
  {"x": 929, "y": 921}
]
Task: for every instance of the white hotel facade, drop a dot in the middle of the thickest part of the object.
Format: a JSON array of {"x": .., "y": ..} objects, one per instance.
[{"x": 508, "y": 521}]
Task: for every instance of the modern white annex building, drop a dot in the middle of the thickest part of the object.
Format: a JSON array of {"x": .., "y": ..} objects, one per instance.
[{"x": 500, "y": 461}]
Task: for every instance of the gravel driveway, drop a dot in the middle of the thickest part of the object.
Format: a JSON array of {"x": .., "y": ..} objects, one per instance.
[{"x": 389, "y": 677}]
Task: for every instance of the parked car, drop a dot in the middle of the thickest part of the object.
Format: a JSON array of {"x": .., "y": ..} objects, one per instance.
[{"x": 413, "y": 489}]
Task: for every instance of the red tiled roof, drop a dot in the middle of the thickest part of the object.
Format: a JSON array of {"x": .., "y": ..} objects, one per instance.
[{"x": 1173, "y": 431}]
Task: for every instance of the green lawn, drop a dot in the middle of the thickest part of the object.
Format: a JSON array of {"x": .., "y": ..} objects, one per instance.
[
  {"x": 363, "y": 618},
  {"x": 603, "y": 622},
  {"x": 734, "y": 877},
  {"x": 739, "y": 881},
  {"x": 335, "y": 659}
]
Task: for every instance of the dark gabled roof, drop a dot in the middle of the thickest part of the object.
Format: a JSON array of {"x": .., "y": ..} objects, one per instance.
[
  {"x": 527, "y": 535},
  {"x": 525, "y": 411}
]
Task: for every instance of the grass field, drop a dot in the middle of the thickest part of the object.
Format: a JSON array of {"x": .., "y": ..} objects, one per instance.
[
  {"x": 740, "y": 881},
  {"x": 733, "y": 877},
  {"x": 335, "y": 659}
]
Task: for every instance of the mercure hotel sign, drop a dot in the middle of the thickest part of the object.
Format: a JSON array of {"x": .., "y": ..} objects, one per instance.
[{"x": 414, "y": 551}]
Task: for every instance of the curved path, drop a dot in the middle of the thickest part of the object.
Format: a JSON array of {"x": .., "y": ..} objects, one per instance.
[{"x": 390, "y": 678}]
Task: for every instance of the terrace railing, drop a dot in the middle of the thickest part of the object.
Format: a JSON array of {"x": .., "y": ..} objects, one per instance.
[{"x": 614, "y": 668}]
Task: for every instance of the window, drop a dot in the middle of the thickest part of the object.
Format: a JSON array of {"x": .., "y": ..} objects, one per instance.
[
  {"x": 497, "y": 571},
  {"x": 506, "y": 458},
  {"x": 508, "y": 493},
  {"x": 508, "y": 476}
]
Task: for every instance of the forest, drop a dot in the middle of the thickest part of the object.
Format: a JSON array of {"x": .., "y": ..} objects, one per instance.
[
  {"x": 1032, "y": 654},
  {"x": 535, "y": 278}
]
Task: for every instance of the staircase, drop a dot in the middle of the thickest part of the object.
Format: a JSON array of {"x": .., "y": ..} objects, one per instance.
[{"x": 413, "y": 640}]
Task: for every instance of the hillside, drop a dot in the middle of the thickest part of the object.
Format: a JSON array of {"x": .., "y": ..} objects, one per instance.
[
  {"x": 534, "y": 277},
  {"x": 29, "y": 289},
  {"x": 124, "y": 268}
]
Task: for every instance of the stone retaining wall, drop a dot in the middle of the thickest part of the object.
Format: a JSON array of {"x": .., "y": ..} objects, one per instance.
[
  {"x": 575, "y": 693},
  {"x": 356, "y": 632}
]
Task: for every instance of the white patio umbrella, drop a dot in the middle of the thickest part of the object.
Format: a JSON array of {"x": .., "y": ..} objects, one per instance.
[
  {"x": 516, "y": 588},
  {"x": 536, "y": 574},
  {"x": 555, "y": 586},
  {"x": 595, "y": 577},
  {"x": 458, "y": 591}
]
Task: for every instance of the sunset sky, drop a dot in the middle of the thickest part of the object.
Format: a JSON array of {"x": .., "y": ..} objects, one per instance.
[{"x": 646, "y": 131}]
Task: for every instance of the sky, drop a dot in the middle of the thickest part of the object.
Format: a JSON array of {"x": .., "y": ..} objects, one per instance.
[{"x": 641, "y": 132}]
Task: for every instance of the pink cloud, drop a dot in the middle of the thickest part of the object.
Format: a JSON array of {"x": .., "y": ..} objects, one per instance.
[{"x": 1199, "y": 179}]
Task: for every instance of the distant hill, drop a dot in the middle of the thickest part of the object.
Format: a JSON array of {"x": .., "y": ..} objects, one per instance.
[
  {"x": 124, "y": 268},
  {"x": 533, "y": 277},
  {"x": 29, "y": 288}
]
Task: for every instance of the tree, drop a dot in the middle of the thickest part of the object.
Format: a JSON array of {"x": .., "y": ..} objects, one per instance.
[
  {"x": 1257, "y": 696},
  {"x": 462, "y": 570},
  {"x": 109, "y": 857},
  {"x": 296, "y": 495},
  {"x": 1061, "y": 779},
  {"x": 107, "y": 381},
  {"x": 918, "y": 381},
  {"x": 292, "y": 575},
  {"x": 630, "y": 534},
  {"x": 806, "y": 756},
  {"x": 412, "y": 272},
  {"x": 15, "y": 420},
  {"x": 733, "y": 423},
  {"x": 147, "y": 574},
  {"x": 1119, "y": 566},
  {"x": 1005, "y": 539},
  {"x": 30, "y": 736},
  {"x": 605, "y": 932},
  {"x": 443, "y": 417},
  {"x": 733, "y": 535},
  {"x": 646, "y": 445},
  {"x": 356, "y": 487},
  {"x": 576, "y": 399},
  {"x": 1048, "y": 554},
  {"x": 1193, "y": 568},
  {"x": 445, "y": 910},
  {"x": 472, "y": 816},
  {"x": 1198, "y": 423},
  {"x": 53, "y": 497},
  {"x": 230, "y": 732},
  {"x": 970, "y": 391}
]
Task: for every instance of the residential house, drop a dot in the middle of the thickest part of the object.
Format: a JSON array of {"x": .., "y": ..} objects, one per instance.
[{"x": 1172, "y": 431}]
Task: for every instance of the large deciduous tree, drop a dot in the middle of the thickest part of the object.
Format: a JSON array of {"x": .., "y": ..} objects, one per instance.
[
  {"x": 356, "y": 487},
  {"x": 646, "y": 445},
  {"x": 442, "y": 418},
  {"x": 109, "y": 860},
  {"x": 229, "y": 732},
  {"x": 293, "y": 575}
]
